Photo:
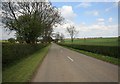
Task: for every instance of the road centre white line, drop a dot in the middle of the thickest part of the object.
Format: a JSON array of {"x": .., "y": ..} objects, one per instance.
[{"x": 70, "y": 58}]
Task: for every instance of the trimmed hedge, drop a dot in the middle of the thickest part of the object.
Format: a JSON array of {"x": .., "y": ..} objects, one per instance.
[
  {"x": 104, "y": 50},
  {"x": 14, "y": 52}
]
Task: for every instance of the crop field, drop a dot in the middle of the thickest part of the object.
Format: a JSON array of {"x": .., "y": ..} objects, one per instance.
[{"x": 95, "y": 41}]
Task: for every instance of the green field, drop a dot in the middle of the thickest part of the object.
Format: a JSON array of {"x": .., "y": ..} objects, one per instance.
[
  {"x": 3, "y": 41},
  {"x": 106, "y": 49},
  {"x": 95, "y": 41}
]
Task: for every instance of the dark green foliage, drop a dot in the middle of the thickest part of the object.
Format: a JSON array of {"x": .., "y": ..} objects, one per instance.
[
  {"x": 11, "y": 40},
  {"x": 104, "y": 50},
  {"x": 119, "y": 41},
  {"x": 31, "y": 20},
  {"x": 13, "y": 52},
  {"x": 31, "y": 29}
]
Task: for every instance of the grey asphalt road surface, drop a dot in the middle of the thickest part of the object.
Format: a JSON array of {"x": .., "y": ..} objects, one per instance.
[{"x": 64, "y": 65}]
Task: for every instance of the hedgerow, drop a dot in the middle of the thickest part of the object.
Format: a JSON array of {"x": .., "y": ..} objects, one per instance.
[
  {"x": 14, "y": 52},
  {"x": 104, "y": 50}
]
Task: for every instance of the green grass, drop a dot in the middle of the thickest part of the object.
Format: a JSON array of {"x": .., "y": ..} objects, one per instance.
[
  {"x": 3, "y": 41},
  {"x": 104, "y": 42},
  {"x": 97, "y": 41},
  {"x": 23, "y": 70},
  {"x": 98, "y": 56},
  {"x": 11, "y": 53}
]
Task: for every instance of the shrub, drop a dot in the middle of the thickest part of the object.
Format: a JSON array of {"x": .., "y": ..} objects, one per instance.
[{"x": 11, "y": 40}]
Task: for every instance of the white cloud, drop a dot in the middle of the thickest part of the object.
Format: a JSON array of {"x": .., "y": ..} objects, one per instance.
[
  {"x": 67, "y": 12},
  {"x": 96, "y": 30},
  {"x": 6, "y": 34},
  {"x": 94, "y": 12},
  {"x": 115, "y": 4},
  {"x": 93, "y": 30},
  {"x": 83, "y": 23},
  {"x": 108, "y": 9},
  {"x": 84, "y": 5},
  {"x": 62, "y": 28},
  {"x": 110, "y": 19},
  {"x": 100, "y": 19}
]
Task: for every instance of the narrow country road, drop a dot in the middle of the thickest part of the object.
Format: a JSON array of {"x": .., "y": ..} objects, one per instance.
[{"x": 64, "y": 65}]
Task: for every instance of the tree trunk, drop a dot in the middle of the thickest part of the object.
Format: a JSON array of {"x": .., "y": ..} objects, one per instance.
[
  {"x": 72, "y": 39},
  {"x": 28, "y": 41}
]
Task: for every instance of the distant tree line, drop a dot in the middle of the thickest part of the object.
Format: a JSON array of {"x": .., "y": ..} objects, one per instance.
[{"x": 31, "y": 20}]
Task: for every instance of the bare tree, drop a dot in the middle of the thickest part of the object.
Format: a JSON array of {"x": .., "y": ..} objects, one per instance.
[
  {"x": 62, "y": 37},
  {"x": 57, "y": 37},
  {"x": 72, "y": 32}
]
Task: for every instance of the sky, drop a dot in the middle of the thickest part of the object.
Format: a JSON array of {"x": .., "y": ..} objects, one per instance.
[{"x": 91, "y": 19}]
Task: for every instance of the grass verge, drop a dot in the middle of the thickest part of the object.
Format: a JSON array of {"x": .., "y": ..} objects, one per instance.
[
  {"x": 98, "y": 56},
  {"x": 22, "y": 71}
]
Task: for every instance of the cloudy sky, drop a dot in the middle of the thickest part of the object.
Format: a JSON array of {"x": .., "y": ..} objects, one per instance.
[{"x": 91, "y": 19}]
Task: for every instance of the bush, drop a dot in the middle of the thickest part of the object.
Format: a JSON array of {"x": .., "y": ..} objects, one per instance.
[
  {"x": 14, "y": 52},
  {"x": 104, "y": 50},
  {"x": 11, "y": 40}
]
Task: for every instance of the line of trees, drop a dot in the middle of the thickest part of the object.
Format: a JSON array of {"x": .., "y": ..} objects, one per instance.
[{"x": 31, "y": 20}]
